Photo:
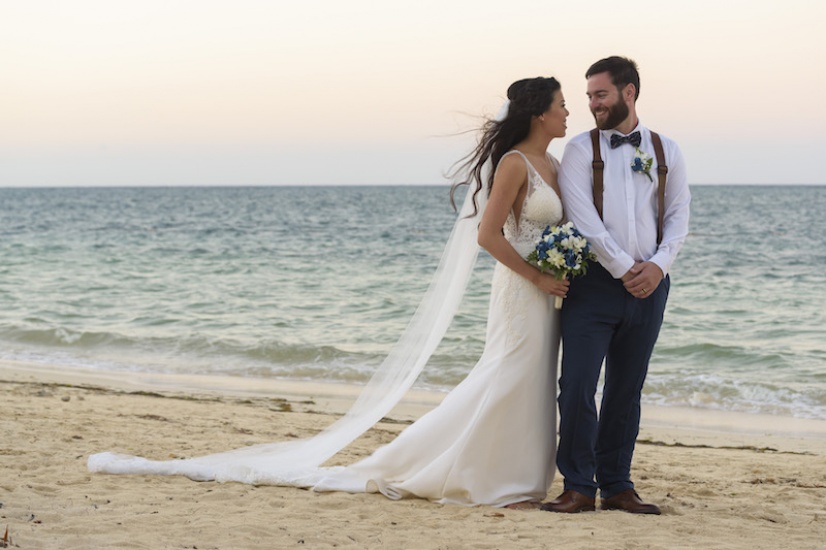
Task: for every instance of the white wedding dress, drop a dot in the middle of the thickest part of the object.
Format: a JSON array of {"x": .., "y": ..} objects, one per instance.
[{"x": 491, "y": 441}]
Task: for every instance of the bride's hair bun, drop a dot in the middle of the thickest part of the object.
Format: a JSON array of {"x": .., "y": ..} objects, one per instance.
[{"x": 532, "y": 96}]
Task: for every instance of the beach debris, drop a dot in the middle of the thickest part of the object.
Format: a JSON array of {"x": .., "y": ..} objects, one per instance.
[
  {"x": 794, "y": 482},
  {"x": 282, "y": 407},
  {"x": 157, "y": 417},
  {"x": 245, "y": 431},
  {"x": 726, "y": 447},
  {"x": 494, "y": 515},
  {"x": 6, "y": 541}
]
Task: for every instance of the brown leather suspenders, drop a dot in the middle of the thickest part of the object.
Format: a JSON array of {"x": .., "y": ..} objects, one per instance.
[
  {"x": 662, "y": 174},
  {"x": 598, "y": 166}
]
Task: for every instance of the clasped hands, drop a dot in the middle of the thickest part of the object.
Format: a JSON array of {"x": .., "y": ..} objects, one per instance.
[{"x": 642, "y": 279}]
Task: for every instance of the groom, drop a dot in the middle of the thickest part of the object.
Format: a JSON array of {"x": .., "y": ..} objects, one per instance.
[{"x": 614, "y": 312}]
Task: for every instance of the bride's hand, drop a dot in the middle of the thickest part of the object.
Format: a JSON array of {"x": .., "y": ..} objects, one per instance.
[{"x": 551, "y": 285}]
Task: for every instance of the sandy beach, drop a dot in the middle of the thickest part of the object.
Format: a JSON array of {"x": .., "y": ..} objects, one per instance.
[{"x": 722, "y": 480}]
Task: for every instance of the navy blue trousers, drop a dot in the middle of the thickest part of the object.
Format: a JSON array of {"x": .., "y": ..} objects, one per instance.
[{"x": 602, "y": 321}]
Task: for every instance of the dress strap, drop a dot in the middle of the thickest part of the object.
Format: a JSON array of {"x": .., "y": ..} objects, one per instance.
[
  {"x": 521, "y": 154},
  {"x": 532, "y": 171}
]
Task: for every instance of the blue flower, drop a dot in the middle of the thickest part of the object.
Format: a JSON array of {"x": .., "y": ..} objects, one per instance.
[{"x": 642, "y": 163}]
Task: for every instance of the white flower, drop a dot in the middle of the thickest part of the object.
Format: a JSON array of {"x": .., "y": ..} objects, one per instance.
[
  {"x": 578, "y": 243},
  {"x": 555, "y": 258}
]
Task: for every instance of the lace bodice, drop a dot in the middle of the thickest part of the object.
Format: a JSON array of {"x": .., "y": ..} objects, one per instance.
[{"x": 540, "y": 208}]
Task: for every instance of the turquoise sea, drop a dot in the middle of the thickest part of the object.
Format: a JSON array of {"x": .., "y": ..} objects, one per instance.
[{"x": 318, "y": 283}]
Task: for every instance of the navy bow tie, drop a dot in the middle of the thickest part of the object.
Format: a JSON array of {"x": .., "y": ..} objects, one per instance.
[{"x": 633, "y": 138}]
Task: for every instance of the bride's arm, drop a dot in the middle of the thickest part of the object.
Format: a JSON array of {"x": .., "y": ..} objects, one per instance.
[{"x": 511, "y": 177}]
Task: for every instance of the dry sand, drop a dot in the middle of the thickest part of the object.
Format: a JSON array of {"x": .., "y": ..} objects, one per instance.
[{"x": 723, "y": 481}]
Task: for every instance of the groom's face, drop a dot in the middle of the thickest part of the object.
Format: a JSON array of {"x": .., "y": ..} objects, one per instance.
[{"x": 606, "y": 102}]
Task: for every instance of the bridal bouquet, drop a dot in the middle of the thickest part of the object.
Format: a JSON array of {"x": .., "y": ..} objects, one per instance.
[{"x": 562, "y": 251}]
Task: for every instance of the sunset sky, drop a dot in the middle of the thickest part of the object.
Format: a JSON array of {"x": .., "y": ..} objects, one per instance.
[{"x": 244, "y": 92}]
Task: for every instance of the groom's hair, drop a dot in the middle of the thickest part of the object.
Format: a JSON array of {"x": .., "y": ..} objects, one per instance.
[{"x": 623, "y": 71}]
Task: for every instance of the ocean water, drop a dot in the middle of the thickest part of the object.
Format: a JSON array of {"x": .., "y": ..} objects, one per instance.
[{"x": 318, "y": 283}]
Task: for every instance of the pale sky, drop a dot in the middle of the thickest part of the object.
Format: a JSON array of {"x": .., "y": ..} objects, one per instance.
[{"x": 245, "y": 92}]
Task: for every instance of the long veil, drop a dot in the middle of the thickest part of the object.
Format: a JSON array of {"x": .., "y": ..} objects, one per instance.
[{"x": 298, "y": 462}]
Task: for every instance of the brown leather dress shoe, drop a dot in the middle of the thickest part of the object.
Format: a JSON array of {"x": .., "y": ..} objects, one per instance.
[
  {"x": 570, "y": 502},
  {"x": 629, "y": 501}
]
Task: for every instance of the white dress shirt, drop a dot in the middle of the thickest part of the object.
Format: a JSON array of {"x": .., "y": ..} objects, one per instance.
[{"x": 628, "y": 231}]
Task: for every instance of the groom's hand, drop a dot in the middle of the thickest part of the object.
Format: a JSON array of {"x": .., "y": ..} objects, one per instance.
[{"x": 642, "y": 279}]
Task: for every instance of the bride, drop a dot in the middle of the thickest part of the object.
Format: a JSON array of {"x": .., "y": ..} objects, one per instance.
[{"x": 492, "y": 439}]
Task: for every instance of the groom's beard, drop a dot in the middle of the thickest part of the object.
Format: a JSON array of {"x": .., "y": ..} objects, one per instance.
[{"x": 616, "y": 114}]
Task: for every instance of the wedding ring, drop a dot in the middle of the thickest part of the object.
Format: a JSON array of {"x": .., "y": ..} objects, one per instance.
[{"x": 644, "y": 291}]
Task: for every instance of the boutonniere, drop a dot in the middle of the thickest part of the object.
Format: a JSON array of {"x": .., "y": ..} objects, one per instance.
[{"x": 642, "y": 163}]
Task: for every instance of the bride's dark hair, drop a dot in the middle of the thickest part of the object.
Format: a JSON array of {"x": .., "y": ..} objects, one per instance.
[{"x": 528, "y": 97}]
